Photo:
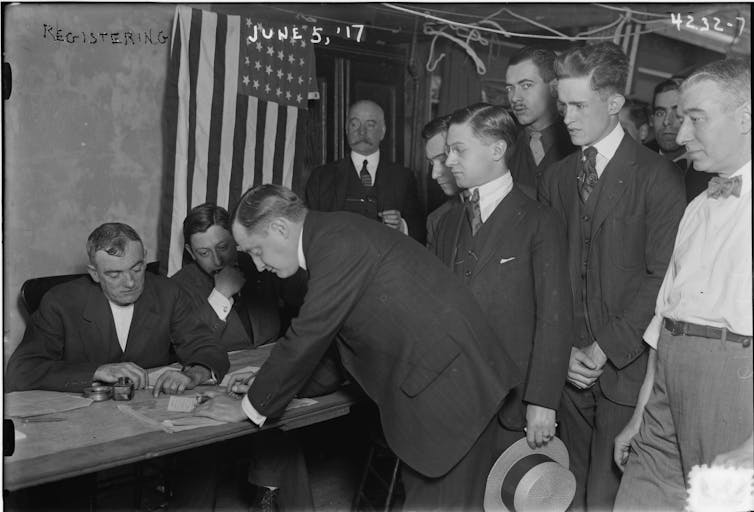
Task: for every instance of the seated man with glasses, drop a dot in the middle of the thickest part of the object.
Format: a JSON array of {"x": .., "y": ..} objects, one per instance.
[{"x": 365, "y": 183}]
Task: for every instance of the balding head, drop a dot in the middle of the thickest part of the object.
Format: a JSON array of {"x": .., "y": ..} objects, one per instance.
[{"x": 365, "y": 127}]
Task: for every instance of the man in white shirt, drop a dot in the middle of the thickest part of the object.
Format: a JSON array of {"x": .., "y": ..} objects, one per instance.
[
  {"x": 365, "y": 182},
  {"x": 700, "y": 377}
]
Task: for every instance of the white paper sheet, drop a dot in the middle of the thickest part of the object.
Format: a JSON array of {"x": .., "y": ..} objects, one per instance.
[{"x": 22, "y": 404}]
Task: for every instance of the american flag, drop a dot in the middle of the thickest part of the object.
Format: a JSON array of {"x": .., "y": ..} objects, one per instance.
[{"x": 235, "y": 90}]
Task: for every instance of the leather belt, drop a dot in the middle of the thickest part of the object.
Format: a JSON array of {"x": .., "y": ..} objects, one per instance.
[{"x": 705, "y": 331}]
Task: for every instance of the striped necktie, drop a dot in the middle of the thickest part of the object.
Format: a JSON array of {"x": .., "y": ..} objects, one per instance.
[
  {"x": 366, "y": 178},
  {"x": 588, "y": 177},
  {"x": 537, "y": 148}
]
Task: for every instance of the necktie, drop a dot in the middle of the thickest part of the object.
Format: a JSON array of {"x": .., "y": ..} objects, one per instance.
[
  {"x": 724, "y": 187},
  {"x": 588, "y": 176},
  {"x": 366, "y": 178},
  {"x": 537, "y": 149},
  {"x": 473, "y": 212}
]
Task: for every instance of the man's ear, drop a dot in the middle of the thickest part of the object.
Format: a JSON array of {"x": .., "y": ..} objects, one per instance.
[
  {"x": 498, "y": 150},
  {"x": 92, "y": 272},
  {"x": 614, "y": 103},
  {"x": 745, "y": 118},
  {"x": 280, "y": 226},
  {"x": 188, "y": 250},
  {"x": 643, "y": 132}
]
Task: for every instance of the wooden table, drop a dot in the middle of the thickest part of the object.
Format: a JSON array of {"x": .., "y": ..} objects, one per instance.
[{"x": 100, "y": 436}]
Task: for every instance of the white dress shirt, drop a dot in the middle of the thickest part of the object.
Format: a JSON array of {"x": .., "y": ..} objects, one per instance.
[
  {"x": 709, "y": 277},
  {"x": 122, "y": 316},
  {"x": 220, "y": 303},
  {"x": 492, "y": 193},
  {"x": 607, "y": 147},
  {"x": 373, "y": 161},
  {"x": 248, "y": 409}
]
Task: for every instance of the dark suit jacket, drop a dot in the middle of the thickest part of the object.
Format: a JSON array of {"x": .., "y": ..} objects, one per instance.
[
  {"x": 525, "y": 172},
  {"x": 261, "y": 298},
  {"x": 433, "y": 220},
  {"x": 633, "y": 231},
  {"x": 408, "y": 331},
  {"x": 395, "y": 186},
  {"x": 526, "y": 299},
  {"x": 73, "y": 333}
]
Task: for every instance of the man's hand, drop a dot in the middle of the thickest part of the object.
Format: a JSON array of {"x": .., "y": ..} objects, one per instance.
[
  {"x": 110, "y": 373},
  {"x": 741, "y": 457},
  {"x": 582, "y": 371},
  {"x": 240, "y": 382},
  {"x": 595, "y": 353},
  {"x": 391, "y": 218},
  {"x": 175, "y": 383},
  {"x": 222, "y": 408},
  {"x": 623, "y": 442},
  {"x": 229, "y": 281},
  {"x": 540, "y": 425}
]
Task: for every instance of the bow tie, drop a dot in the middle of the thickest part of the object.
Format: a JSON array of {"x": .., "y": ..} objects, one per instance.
[{"x": 724, "y": 187}]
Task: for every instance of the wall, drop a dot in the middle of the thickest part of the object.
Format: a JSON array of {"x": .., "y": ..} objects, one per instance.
[{"x": 82, "y": 135}]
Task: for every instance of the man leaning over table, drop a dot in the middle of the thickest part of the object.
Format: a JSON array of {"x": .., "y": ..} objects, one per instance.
[
  {"x": 114, "y": 323},
  {"x": 698, "y": 386}
]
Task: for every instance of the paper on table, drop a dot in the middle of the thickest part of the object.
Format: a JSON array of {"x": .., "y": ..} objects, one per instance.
[
  {"x": 245, "y": 369},
  {"x": 154, "y": 374},
  {"x": 34, "y": 403},
  {"x": 181, "y": 403}
]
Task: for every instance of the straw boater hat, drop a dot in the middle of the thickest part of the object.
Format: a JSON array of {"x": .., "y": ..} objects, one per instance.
[{"x": 530, "y": 480}]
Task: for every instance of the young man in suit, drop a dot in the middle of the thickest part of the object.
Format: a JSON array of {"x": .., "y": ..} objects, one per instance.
[
  {"x": 407, "y": 331},
  {"x": 434, "y": 133},
  {"x": 116, "y": 324},
  {"x": 621, "y": 204},
  {"x": 667, "y": 123},
  {"x": 364, "y": 182},
  {"x": 699, "y": 391},
  {"x": 530, "y": 78},
  {"x": 510, "y": 251},
  {"x": 246, "y": 308}
]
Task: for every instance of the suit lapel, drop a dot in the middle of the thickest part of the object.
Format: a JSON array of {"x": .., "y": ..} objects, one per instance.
[
  {"x": 456, "y": 218},
  {"x": 500, "y": 226},
  {"x": 146, "y": 316},
  {"x": 99, "y": 331},
  {"x": 614, "y": 179}
]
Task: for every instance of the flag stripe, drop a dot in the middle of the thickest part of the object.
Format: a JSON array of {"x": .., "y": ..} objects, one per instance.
[
  {"x": 260, "y": 117},
  {"x": 270, "y": 132},
  {"x": 229, "y": 113},
  {"x": 290, "y": 145},
  {"x": 204, "y": 87},
  {"x": 253, "y": 150},
  {"x": 194, "y": 43},
  {"x": 216, "y": 111},
  {"x": 279, "y": 143},
  {"x": 239, "y": 150}
]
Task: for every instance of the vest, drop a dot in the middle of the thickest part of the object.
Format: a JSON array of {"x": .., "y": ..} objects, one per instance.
[{"x": 360, "y": 199}]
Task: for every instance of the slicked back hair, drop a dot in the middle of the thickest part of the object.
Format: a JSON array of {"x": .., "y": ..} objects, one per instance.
[
  {"x": 262, "y": 203},
  {"x": 732, "y": 76},
  {"x": 488, "y": 122},
  {"x": 637, "y": 111},
  {"x": 605, "y": 63},
  {"x": 671, "y": 84},
  {"x": 543, "y": 59},
  {"x": 203, "y": 217},
  {"x": 112, "y": 238},
  {"x": 435, "y": 126}
]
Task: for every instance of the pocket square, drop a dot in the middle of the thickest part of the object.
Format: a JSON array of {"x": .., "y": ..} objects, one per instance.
[{"x": 506, "y": 260}]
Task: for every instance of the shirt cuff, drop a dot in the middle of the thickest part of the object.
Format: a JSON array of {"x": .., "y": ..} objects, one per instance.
[
  {"x": 220, "y": 303},
  {"x": 652, "y": 334},
  {"x": 252, "y": 413},
  {"x": 404, "y": 227}
]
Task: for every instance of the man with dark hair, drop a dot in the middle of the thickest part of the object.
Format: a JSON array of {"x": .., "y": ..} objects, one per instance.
[
  {"x": 634, "y": 119},
  {"x": 364, "y": 182},
  {"x": 434, "y": 134},
  {"x": 510, "y": 251},
  {"x": 116, "y": 324},
  {"x": 622, "y": 204},
  {"x": 667, "y": 123},
  {"x": 530, "y": 84},
  {"x": 408, "y": 332},
  {"x": 698, "y": 394}
]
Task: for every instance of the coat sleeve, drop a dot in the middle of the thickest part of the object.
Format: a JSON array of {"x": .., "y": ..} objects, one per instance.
[
  {"x": 338, "y": 274},
  {"x": 548, "y": 363},
  {"x": 621, "y": 337},
  {"x": 193, "y": 341},
  {"x": 38, "y": 362},
  {"x": 202, "y": 308},
  {"x": 411, "y": 210}
]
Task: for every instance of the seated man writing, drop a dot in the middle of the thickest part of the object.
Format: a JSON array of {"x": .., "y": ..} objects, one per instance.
[{"x": 114, "y": 325}]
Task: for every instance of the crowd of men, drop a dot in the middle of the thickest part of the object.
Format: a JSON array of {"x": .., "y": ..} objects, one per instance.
[{"x": 576, "y": 282}]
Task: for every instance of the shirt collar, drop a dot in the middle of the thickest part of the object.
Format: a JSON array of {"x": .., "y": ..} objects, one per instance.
[
  {"x": 301, "y": 259},
  {"x": 609, "y": 144},
  {"x": 745, "y": 172},
  {"x": 492, "y": 193},
  {"x": 373, "y": 161}
]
